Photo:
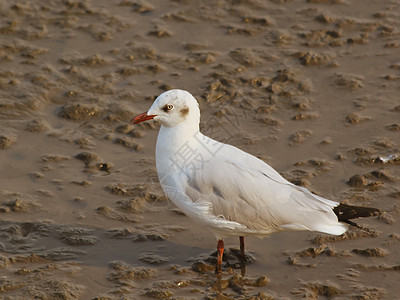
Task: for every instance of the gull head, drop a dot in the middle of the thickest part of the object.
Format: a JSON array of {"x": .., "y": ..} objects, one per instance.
[{"x": 172, "y": 108}]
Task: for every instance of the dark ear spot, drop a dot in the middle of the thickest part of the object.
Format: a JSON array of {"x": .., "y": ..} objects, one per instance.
[{"x": 184, "y": 111}]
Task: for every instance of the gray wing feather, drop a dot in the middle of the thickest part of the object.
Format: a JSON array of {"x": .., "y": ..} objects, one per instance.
[{"x": 243, "y": 189}]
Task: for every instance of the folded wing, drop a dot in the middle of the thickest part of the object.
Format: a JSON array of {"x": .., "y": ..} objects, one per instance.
[{"x": 240, "y": 188}]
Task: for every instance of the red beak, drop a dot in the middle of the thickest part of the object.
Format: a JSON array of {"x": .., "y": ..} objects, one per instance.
[{"x": 141, "y": 118}]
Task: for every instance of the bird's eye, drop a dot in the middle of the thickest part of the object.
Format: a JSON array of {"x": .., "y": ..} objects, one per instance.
[{"x": 167, "y": 107}]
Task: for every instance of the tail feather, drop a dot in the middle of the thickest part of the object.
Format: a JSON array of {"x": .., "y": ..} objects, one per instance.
[{"x": 346, "y": 212}]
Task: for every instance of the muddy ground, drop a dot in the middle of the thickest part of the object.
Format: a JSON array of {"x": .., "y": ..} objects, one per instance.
[{"x": 311, "y": 87}]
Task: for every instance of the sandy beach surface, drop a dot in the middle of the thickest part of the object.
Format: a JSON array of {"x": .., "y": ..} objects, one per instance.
[{"x": 311, "y": 87}]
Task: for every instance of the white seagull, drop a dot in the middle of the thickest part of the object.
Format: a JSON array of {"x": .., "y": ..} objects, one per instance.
[{"x": 228, "y": 190}]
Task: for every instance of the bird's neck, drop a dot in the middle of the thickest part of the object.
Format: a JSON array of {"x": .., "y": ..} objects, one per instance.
[
  {"x": 172, "y": 138},
  {"x": 172, "y": 141}
]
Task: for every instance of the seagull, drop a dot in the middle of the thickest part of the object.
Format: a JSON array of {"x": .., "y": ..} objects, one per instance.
[{"x": 227, "y": 190}]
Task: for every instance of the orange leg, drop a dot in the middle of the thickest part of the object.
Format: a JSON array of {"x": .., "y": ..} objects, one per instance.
[{"x": 220, "y": 253}]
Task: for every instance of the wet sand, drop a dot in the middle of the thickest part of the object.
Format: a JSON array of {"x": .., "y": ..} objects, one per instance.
[{"x": 311, "y": 87}]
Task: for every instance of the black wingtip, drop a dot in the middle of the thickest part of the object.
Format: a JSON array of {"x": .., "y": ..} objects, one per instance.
[{"x": 346, "y": 212}]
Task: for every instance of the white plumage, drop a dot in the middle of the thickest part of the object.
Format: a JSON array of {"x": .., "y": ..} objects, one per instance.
[{"x": 223, "y": 187}]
